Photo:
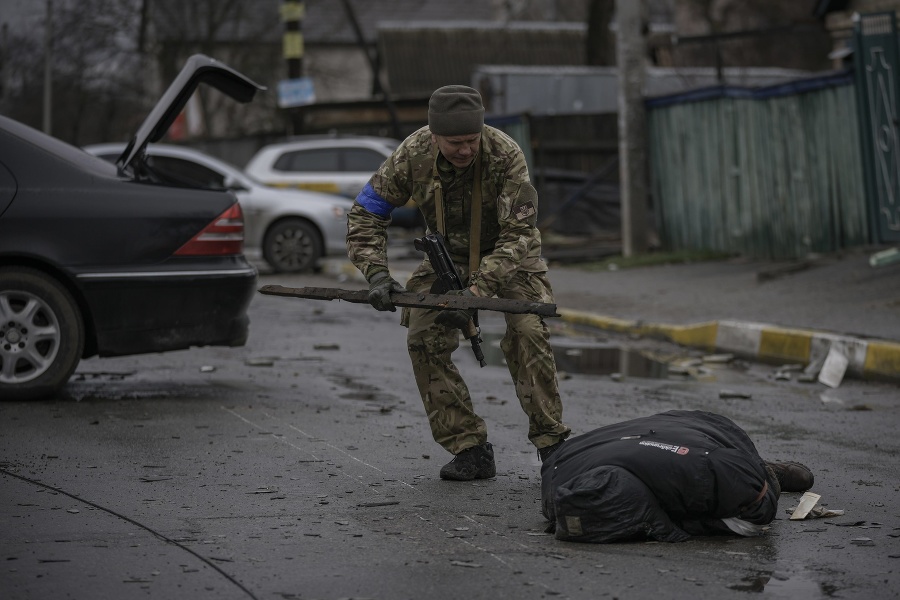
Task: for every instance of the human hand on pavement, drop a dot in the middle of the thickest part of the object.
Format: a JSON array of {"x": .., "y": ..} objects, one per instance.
[
  {"x": 458, "y": 318},
  {"x": 380, "y": 288}
]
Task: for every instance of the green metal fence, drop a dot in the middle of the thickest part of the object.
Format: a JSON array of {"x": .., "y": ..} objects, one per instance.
[
  {"x": 773, "y": 173},
  {"x": 877, "y": 59}
]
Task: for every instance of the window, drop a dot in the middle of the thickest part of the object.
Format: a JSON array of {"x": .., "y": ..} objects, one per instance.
[
  {"x": 188, "y": 172},
  {"x": 325, "y": 159},
  {"x": 362, "y": 159}
]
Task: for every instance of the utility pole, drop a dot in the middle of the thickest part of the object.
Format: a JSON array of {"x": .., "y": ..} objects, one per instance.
[
  {"x": 630, "y": 53},
  {"x": 292, "y": 14},
  {"x": 48, "y": 69}
]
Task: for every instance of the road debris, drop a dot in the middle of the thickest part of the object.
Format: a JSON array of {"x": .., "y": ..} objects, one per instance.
[
  {"x": 786, "y": 372},
  {"x": 463, "y": 563},
  {"x": 833, "y": 369},
  {"x": 725, "y": 394},
  {"x": 807, "y": 501},
  {"x": 262, "y": 361},
  {"x": 820, "y": 512},
  {"x": 718, "y": 358},
  {"x": 884, "y": 257}
]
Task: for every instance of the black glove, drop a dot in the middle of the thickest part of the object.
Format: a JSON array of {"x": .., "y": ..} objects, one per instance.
[
  {"x": 380, "y": 287},
  {"x": 458, "y": 318}
]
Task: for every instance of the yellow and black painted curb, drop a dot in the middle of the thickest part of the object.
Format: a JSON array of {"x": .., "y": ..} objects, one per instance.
[{"x": 866, "y": 358}]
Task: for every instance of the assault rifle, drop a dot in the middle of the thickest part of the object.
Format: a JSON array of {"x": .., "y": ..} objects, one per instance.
[{"x": 448, "y": 279}]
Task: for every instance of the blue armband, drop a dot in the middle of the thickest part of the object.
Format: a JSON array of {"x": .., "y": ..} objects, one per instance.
[{"x": 374, "y": 203}]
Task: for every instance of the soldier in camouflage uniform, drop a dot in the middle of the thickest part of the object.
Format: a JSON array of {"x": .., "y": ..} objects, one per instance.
[{"x": 443, "y": 167}]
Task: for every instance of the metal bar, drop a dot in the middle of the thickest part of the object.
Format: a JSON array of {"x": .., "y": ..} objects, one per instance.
[{"x": 415, "y": 300}]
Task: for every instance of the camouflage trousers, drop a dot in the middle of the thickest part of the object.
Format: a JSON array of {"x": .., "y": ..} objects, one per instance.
[{"x": 526, "y": 346}]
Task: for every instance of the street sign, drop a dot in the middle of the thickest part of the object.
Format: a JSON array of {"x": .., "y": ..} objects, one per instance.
[{"x": 295, "y": 92}]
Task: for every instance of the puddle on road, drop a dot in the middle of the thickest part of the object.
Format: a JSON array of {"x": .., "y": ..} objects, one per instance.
[
  {"x": 607, "y": 360},
  {"x": 797, "y": 586},
  {"x": 587, "y": 357}
]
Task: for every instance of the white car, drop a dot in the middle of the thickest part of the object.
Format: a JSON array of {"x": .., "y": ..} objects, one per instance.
[
  {"x": 333, "y": 164},
  {"x": 336, "y": 165},
  {"x": 293, "y": 229}
]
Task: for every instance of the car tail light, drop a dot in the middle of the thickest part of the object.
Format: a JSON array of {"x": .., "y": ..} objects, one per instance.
[{"x": 225, "y": 235}]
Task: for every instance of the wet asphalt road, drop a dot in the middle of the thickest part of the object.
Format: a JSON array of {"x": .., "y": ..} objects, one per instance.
[{"x": 301, "y": 466}]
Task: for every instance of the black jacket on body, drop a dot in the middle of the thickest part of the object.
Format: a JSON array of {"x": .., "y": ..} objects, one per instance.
[{"x": 663, "y": 477}]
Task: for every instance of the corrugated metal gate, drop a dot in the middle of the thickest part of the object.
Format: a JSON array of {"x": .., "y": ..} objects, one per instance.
[
  {"x": 878, "y": 67},
  {"x": 768, "y": 173}
]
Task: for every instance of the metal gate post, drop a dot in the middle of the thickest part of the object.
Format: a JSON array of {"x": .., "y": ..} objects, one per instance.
[{"x": 877, "y": 65}]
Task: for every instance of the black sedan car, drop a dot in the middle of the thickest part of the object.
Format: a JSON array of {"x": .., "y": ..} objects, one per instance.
[{"x": 108, "y": 260}]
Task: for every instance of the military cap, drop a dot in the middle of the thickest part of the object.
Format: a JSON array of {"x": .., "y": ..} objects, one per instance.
[{"x": 455, "y": 110}]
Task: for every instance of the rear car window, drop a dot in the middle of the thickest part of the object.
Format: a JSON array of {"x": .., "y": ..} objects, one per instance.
[
  {"x": 362, "y": 159},
  {"x": 189, "y": 172},
  {"x": 326, "y": 160}
]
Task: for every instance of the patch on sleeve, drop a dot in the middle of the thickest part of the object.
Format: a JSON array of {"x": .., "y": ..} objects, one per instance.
[
  {"x": 524, "y": 211},
  {"x": 526, "y": 201}
]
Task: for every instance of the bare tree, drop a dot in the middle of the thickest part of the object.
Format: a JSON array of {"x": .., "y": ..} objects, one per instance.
[
  {"x": 244, "y": 34},
  {"x": 95, "y": 83},
  {"x": 104, "y": 80}
]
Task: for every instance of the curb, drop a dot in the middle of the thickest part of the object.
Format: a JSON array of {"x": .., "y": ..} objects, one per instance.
[{"x": 862, "y": 358}]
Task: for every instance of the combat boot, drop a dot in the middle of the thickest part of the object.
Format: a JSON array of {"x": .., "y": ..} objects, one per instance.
[
  {"x": 792, "y": 476},
  {"x": 476, "y": 462}
]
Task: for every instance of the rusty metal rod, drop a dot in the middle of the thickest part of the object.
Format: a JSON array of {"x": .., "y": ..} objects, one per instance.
[{"x": 417, "y": 300}]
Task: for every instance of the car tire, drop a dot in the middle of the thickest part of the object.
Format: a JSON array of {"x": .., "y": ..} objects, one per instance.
[
  {"x": 41, "y": 334},
  {"x": 292, "y": 246}
]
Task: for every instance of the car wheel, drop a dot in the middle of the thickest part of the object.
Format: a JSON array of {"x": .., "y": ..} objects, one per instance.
[
  {"x": 41, "y": 334},
  {"x": 292, "y": 246}
]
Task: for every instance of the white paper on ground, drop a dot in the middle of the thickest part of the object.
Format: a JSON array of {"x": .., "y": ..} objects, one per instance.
[
  {"x": 807, "y": 501},
  {"x": 833, "y": 370}
]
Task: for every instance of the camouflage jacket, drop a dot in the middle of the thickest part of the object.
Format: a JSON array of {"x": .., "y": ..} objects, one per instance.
[{"x": 510, "y": 240}]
